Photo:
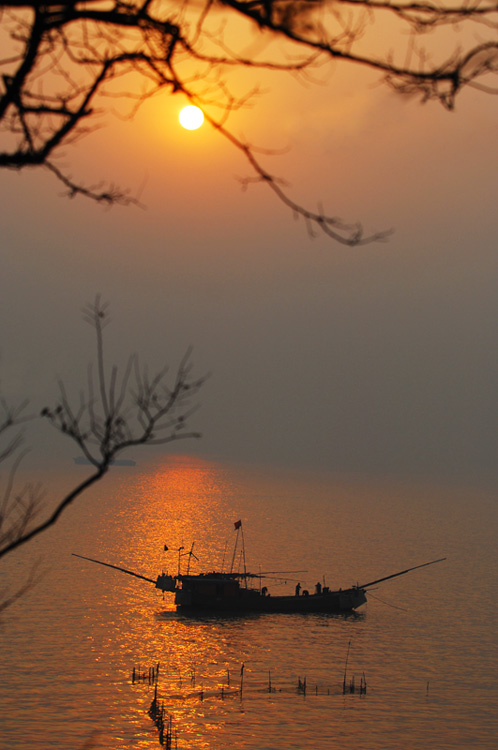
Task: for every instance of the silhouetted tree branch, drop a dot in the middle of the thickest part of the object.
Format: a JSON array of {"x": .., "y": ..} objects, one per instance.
[
  {"x": 115, "y": 412},
  {"x": 9, "y": 597},
  {"x": 11, "y": 417},
  {"x": 62, "y": 59},
  {"x": 19, "y": 507}
]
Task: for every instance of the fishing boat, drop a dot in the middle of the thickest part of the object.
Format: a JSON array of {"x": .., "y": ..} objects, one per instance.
[{"x": 232, "y": 592}]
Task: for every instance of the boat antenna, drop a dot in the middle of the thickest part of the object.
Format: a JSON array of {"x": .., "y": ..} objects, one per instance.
[
  {"x": 237, "y": 527},
  {"x": 190, "y": 556}
]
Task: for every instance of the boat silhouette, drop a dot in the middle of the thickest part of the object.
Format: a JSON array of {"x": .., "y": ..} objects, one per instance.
[{"x": 244, "y": 592}]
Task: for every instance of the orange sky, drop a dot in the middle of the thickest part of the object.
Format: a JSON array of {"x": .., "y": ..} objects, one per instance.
[{"x": 381, "y": 359}]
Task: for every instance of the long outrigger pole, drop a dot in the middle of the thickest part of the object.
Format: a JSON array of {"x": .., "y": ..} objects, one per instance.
[
  {"x": 401, "y": 573},
  {"x": 254, "y": 575},
  {"x": 116, "y": 567}
]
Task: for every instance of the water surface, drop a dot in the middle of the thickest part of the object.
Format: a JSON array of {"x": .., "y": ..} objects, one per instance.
[{"x": 425, "y": 643}]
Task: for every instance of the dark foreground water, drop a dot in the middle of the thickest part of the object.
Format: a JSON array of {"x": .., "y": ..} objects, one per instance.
[{"x": 426, "y": 643}]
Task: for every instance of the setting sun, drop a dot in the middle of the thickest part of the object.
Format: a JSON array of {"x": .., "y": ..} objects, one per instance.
[{"x": 191, "y": 117}]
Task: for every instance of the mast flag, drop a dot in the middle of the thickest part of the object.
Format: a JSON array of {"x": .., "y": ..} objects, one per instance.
[{"x": 237, "y": 525}]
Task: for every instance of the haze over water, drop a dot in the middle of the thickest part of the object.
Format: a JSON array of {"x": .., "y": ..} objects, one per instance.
[{"x": 425, "y": 643}]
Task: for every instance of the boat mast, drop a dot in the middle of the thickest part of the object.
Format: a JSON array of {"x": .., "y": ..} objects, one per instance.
[
  {"x": 238, "y": 528},
  {"x": 244, "y": 552}
]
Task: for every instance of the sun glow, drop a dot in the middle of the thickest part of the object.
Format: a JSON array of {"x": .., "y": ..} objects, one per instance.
[{"x": 191, "y": 117}]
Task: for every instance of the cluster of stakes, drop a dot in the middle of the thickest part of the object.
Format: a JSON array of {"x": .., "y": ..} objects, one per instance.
[
  {"x": 168, "y": 735},
  {"x": 157, "y": 711},
  {"x": 164, "y": 723}
]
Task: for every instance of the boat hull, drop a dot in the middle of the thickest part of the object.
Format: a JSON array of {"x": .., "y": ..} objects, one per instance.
[{"x": 251, "y": 600}]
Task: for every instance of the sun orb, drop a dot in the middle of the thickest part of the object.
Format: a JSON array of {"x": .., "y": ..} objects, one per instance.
[{"x": 191, "y": 117}]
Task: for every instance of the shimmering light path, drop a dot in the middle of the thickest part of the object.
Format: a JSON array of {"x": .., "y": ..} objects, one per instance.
[{"x": 425, "y": 643}]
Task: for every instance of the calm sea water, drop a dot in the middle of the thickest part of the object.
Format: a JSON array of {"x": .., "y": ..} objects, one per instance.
[{"x": 426, "y": 643}]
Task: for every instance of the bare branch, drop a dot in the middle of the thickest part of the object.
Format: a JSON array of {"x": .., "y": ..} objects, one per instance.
[
  {"x": 8, "y": 598},
  {"x": 351, "y": 235},
  {"x": 131, "y": 410},
  {"x": 28, "y": 535},
  {"x": 63, "y": 62}
]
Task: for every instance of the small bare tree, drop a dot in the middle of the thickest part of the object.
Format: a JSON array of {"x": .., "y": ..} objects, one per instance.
[
  {"x": 116, "y": 411},
  {"x": 61, "y": 62},
  {"x": 18, "y": 506}
]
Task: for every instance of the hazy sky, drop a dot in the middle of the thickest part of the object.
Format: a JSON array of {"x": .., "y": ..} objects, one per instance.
[{"x": 381, "y": 359}]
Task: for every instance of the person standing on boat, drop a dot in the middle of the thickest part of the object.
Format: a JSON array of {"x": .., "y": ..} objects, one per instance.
[
  {"x": 298, "y": 589},
  {"x": 318, "y": 588}
]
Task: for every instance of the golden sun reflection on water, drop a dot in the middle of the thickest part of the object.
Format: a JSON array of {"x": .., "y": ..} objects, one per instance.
[
  {"x": 75, "y": 640},
  {"x": 183, "y": 502}
]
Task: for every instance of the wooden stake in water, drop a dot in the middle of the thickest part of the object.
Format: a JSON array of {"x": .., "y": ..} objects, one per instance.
[
  {"x": 363, "y": 685},
  {"x": 345, "y": 670}
]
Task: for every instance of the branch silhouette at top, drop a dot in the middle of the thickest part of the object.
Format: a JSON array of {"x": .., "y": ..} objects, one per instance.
[{"x": 63, "y": 61}]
